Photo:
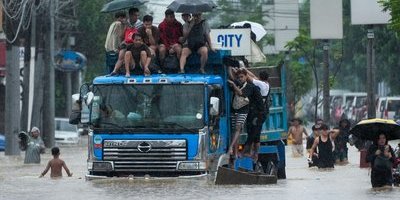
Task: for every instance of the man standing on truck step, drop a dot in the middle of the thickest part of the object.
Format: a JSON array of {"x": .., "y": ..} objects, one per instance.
[{"x": 257, "y": 114}]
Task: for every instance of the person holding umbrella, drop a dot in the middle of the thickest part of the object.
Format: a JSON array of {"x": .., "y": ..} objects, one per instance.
[
  {"x": 381, "y": 156},
  {"x": 198, "y": 40}
]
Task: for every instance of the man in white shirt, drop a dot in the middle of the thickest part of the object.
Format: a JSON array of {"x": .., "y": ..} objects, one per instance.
[
  {"x": 115, "y": 36},
  {"x": 255, "y": 125}
]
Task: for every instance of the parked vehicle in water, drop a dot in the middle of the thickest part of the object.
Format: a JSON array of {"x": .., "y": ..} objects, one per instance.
[
  {"x": 65, "y": 133},
  {"x": 360, "y": 109},
  {"x": 310, "y": 101},
  {"x": 2, "y": 142},
  {"x": 388, "y": 107},
  {"x": 343, "y": 106}
]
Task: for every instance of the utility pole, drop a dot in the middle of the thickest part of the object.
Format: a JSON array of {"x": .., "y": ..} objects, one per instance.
[
  {"x": 32, "y": 68},
  {"x": 371, "y": 72},
  {"x": 49, "y": 92},
  {"x": 24, "y": 78},
  {"x": 12, "y": 104},
  {"x": 289, "y": 89},
  {"x": 325, "y": 102}
]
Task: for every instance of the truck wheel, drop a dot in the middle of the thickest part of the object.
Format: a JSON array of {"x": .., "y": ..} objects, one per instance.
[
  {"x": 271, "y": 169},
  {"x": 281, "y": 173}
]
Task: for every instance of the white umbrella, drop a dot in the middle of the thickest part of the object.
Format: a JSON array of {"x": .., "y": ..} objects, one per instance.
[{"x": 256, "y": 28}]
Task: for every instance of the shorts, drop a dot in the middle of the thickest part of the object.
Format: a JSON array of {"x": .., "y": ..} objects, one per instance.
[
  {"x": 238, "y": 118},
  {"x": 297, "y": 150},
  {"x": 254, "y": 125}
]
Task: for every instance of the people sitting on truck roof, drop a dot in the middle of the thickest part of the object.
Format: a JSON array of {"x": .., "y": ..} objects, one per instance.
[
  {"x": 187, "y": 18},
  {"x": 170, "y": 32},
  {"x": 137, "y": 58},
  {"x": 198, "y": 38},
  {"x": 133, "y": 24},
  {"x": 115, "y": 36},
  {"x": 150, "y": 34}
]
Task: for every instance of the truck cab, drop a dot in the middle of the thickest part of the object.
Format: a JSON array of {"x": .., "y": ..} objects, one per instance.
[{"x": 164, "y": 125}]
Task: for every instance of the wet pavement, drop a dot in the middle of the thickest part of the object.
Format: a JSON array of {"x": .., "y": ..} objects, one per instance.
[{"x": 19, "y": 181}]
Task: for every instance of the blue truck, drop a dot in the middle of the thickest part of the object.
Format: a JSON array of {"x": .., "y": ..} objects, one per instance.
[{"x": 170, "y": 125}]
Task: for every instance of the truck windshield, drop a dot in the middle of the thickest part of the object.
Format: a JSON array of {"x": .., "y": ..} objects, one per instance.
[{"x": 148, "y": 106}]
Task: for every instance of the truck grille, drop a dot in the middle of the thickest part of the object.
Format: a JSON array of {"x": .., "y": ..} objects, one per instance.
[{"x": 144, "y": 155}]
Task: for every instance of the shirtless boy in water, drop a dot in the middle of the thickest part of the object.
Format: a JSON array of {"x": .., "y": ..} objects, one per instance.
[
  {"x": 296, "y": 130},
  {"x": 56, "y": 165}
]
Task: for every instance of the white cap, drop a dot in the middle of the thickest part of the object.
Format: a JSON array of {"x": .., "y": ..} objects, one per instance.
[{"x": 34, "y": 129}]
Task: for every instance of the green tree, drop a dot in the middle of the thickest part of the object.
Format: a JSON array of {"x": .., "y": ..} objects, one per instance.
[
  {"x": 93, "y": 26},
  {"x": 393, "y": 6}
]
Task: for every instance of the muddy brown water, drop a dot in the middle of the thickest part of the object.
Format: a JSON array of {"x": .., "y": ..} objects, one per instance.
[{"x": 19, "y": 181}]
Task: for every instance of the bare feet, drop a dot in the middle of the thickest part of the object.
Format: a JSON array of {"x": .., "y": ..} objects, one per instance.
[{"x": 202, "y": 71}]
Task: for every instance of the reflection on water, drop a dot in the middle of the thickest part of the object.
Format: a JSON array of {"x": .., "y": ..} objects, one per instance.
[{"x": 19, "y": 181}]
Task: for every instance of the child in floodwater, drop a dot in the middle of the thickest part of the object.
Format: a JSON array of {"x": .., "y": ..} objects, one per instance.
[{"x": 56, "y": 165}]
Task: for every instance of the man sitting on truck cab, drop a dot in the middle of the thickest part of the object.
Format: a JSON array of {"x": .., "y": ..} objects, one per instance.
[
  {"x": 150, "y": 34},
  {"x": 137, "y": 57},
  {"x": 132, "y": 27},
  {"x": 170, "y": 32},
  {"x": 198, "y": 40}
]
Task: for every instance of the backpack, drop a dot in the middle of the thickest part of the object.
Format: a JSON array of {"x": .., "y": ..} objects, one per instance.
[
  {"x": 196, "y": 38},
  {"x": 129, "y": 32},
  {"x": 171, "y": 62},
  {"x": 268, "y": 101}
]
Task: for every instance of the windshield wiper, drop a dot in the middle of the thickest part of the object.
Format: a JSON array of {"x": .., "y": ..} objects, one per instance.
[{"x": 178, "y": 125}]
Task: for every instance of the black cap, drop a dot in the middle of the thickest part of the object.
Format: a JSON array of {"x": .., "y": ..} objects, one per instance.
[
  {"x": 316, "y": 127},
  {"x": 323, "y": 127}
]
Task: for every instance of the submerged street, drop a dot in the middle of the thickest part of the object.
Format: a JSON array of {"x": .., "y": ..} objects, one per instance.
[{"x": 19, "y": 181}]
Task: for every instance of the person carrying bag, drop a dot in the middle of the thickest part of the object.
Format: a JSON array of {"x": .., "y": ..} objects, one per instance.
[{"x": 240, "y": 101}]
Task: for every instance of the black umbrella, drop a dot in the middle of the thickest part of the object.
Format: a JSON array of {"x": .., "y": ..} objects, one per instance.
[
  {"x": 370, "y": 129},
  {"x": 192, "y": 6},
  {"x": 121, "y": 4}
]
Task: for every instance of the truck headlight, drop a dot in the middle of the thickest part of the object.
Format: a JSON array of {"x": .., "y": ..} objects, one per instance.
[{"x": 195, "y": 165}]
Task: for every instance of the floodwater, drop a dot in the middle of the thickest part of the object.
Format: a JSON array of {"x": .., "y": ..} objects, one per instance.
[{"x": 19, "y": 181}]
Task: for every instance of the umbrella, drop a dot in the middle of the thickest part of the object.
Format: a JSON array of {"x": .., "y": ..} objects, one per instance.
[
  {"x": 256, "y": 28},
  {"x": 192, "y": 6},
  {"x": 370, "y": 129},
  {"x": 121, "y": 4}
]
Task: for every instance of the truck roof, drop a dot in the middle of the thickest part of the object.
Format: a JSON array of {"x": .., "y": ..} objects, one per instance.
[{"x": 160, "y": 78}]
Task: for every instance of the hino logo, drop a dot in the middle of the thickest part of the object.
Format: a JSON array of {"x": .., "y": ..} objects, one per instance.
[
  {"x": 144, "y": 147},
  {"x": 115, "y": 143}
]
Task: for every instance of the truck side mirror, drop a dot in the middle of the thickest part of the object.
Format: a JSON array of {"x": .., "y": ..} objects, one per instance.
[{"x": 214, "y": 106}]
